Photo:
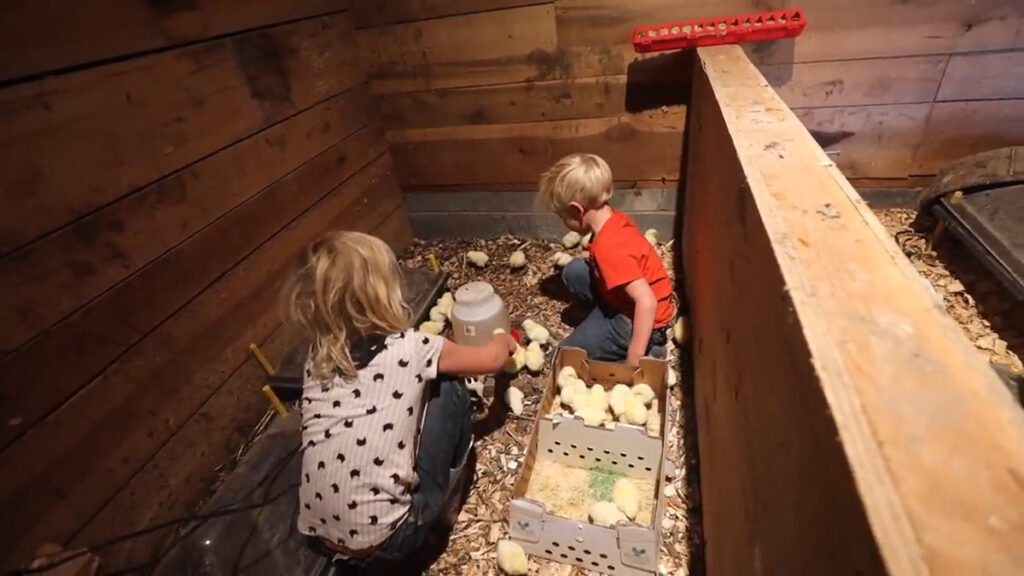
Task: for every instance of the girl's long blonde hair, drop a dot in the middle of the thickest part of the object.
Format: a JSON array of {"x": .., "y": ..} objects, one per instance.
[{"x": 347, "y": 285}]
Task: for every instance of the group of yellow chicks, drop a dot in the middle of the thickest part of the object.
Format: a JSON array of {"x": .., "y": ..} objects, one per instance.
[
  {"x": 571, "y": 240},
  {"x": 596, "y": 406}
]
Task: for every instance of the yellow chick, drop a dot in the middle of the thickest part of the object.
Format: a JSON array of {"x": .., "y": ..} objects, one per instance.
[
  {"x": 561, "y": 259},
  {"x": 644, "y": 393},
  {"x": 617, "y": 398},
  {"x": 514, "y": 398},
  {"x": 652, "y": 236},
  {"x": 566, "y": 375},
  {"x": 446, "y": 301},
  {"x": 585, "y": 241},
  {"x": 597, "y": 399},
  {"x": 512, "y": 558},
  {"x": 626, "y": 497},
  {"x": 576, "y": 395},
  {"x": 534, "y": 357},
  {"x": 653, "y": 420},
  {"x": 605, "y": 514},
  {"x": 431, "y": 327},
  {"x": 679, "y": 330},
  {"x": 590, "y": 416},
  {"x": 535, "y": 332},
  {"x": 479, "y": 259},
  {"x": 517, "y": 260},
  {"x": 571, "y": 239},
  {"x": 437, "y": 315},
  {"x": 635, "y": 412},
  {"x": 516, "y": 361}
]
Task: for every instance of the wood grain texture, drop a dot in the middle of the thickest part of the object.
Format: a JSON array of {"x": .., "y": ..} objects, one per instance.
[
  {"x": 368, "y": 13},
  {"x": 857, "y": 82},
  {"x": 95, "y": 335},
  {"x": 528, "y": 102},
  {"x": 108, "y": 432},
  {"x": 838, "y": 30},
  {"x": 72, "y": 143},
  {"x": 958, "y": 129},
  {"x": 984, "y": 76},
  {"x": 42, "y": 35},
  {"x": 871, "y": 141},
  {"x": 512, "y": 45},
  {"x": 49, "y": 279},
  {"x": 861, "y": 351},
  {"x": 181, "y": 473},
  {"x": 640, "y": 147}
]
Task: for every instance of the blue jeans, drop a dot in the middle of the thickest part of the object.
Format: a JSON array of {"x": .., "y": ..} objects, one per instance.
[
  {"x": 605, "y": 333},
  {"x": 443, "y": 449}
]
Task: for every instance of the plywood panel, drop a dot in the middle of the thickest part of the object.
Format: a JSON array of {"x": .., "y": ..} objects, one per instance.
[
  {"x": 871, "y": 141},
  {"x": 857, "y": 82},
  {"x": 958, "y": 129},
  {"x": 181, "y": 472},
  {"x": 72, "y": 143},
  {"x": 51, "y": 278},
  {"x": 105, "y": 434},
  {"x": 41, "y": 35},
  {"x": 97, "y": 334},
  {"x": 838, "y": 29},
  {"x": 369, "y": 13},
  {"x": 646, "y": 147},
  {"x": 933, "y": 445},
  {"x": 528, "y": 102},
  {"x": 473, "y": 50},
  {"x": 984, "y": 76}
]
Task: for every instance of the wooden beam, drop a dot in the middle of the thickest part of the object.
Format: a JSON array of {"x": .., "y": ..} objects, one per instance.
[
  {"x": 845, "y": 423},
  {"x": 638, "y": 147},
  {"x": 368, "y": 13},
  {"x": 39, "y": 36},
  {"x": 72, "y": 143},
  {"x": 110, "y": 430}
]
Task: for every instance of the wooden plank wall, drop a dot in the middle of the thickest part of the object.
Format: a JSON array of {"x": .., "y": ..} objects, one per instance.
[
  {"x": 484, "y": 95},
  {"x": 163, "y": 163},
  {"x": 845, "y": 424}
]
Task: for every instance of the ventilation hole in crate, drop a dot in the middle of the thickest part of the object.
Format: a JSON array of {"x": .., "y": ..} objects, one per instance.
[
  {"x": 631, "y": 466},
  {"x": 582, "y": 456},
  {"x": 622, "y": 454},
  {"x": 611, "y": 568},
  {"x": 573, "y": 446},
  {"x": 595, "y": 564},
  {"x": 647, "y": 468},
  {"x": 550, "y": 451},
  {"x": 597, "y": 459},
  {"x": 571, "y": 549},
  {"x": 555, "y": 544},
  {"x": 602, "y": 556},
  {"x": 589, "y": 449},
  {"x": 579, "y": 560},
  {"x": 548, "y": 552},
  {"x": 587, "y": 552},
  {"x": 640, "y": 458},
  {"x": 563, "y": 556},
  {"x": 615, "y": 462},
  {"x": 558, "y": 442},
  {"x": 565, "y": 453},
  {"x": 607, "y": 452}
]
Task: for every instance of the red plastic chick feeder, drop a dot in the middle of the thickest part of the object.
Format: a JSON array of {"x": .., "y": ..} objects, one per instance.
[{"x": 754, "y": 27}]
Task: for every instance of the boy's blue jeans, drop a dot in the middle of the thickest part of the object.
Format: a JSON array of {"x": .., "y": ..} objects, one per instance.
[{"x": 605, "y": 333}]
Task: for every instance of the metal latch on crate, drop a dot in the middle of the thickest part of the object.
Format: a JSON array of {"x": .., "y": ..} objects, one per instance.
[
  {"x": 526, "y": 518},
  {"x": 753, "y": 27},
  {"x": 637, "y": 548}
]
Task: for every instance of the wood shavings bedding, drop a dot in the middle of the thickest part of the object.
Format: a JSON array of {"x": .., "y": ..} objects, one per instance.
[
  {"x": 531, "y": 292},
  {"x": 568, "y": 491}
]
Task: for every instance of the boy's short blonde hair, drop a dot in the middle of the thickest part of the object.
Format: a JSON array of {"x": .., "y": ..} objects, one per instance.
[
  {"x": 347, "y": 285},
  {"x": 583, "y": 178}
]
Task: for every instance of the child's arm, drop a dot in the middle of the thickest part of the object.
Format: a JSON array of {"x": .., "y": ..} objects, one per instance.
[
  {"x": 643, "y": 319},
  {"x": 476, "y": 360}
]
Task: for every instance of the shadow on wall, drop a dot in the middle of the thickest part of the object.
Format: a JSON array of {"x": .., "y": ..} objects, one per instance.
[{"x": 662, "y": 80}]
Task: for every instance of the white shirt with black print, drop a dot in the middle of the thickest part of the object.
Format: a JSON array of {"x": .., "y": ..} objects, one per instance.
[{"x": 359, "y": 443}]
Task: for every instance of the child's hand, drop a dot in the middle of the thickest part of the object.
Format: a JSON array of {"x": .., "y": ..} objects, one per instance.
[{"x": 507, "y": 342}]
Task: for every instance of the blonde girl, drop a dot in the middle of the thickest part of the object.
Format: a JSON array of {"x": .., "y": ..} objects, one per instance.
[{"x": 382, "y": 432}]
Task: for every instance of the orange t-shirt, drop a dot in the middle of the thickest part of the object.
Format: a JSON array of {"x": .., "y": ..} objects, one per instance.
[{"x": 621, "y": 255}]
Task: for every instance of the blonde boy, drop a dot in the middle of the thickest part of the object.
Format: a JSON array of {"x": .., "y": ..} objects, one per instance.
[{"x": 625, "y": 279}]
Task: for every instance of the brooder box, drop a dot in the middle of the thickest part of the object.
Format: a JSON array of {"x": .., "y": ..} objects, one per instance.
[{"x": 627, "y": 549}]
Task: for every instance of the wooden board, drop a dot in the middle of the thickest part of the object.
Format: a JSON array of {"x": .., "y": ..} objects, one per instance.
[
  {"x": 866, "y": 434},
  {"x": 180, "y": 474},
  {"x": 369, "y": 13},
  {"x": 473, "y": 50},
  {"x": 110, "y": 430},
  {"x": 49, "y": 279},
  {"x": 97, "y": 334},
  {"x": 984, "y": 76},
  {"x": 871, "y": 141},
  {"x": 642, "y": 147},
  {"x": 42, "y": 35},
  {"x": 72, "y": 143},
  {"x": 857, "y": 82},
  {"x": 837, "y": 30},
  {"x": 528, "y": 102},
  {"x": 958, "y": 129}
]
